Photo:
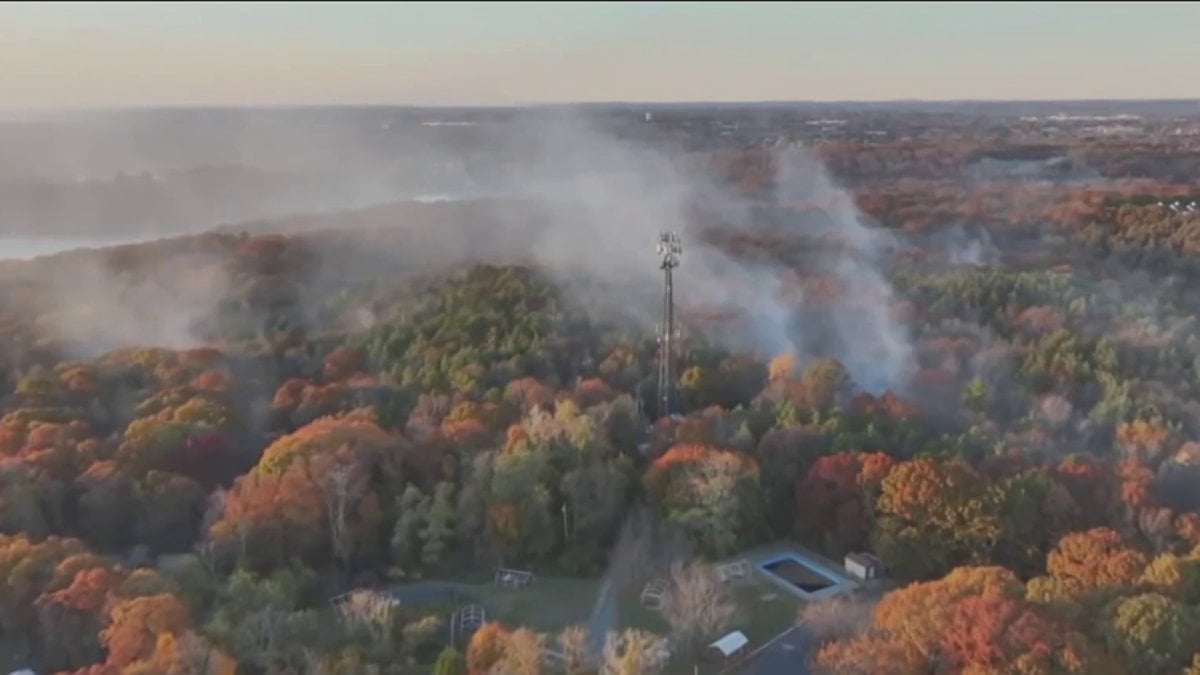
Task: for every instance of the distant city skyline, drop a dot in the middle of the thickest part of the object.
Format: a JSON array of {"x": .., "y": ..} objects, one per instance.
[{"x": 82, "y": 55}]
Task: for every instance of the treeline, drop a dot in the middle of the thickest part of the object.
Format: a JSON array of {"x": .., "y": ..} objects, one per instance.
[{"x": 195, "y": 510}]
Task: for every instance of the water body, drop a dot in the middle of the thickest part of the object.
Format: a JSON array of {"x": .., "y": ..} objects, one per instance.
[{"x": 28, "y": 247}]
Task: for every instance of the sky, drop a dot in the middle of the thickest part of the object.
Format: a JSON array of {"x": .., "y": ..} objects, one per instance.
[{"x": 65, "y": 55}]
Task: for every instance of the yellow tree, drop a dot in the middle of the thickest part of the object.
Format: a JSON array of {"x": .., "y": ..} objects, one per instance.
[
  {"x": 933, "y": 515},
  {"x": 487, "y": 648},
  {"x": 1152, "y": 633},
  {"x": 136, "y": 625},
  {"x": 1175, "y": 576}
]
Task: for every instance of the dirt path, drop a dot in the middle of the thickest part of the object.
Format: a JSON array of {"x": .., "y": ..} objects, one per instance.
[{"x": 604, "y": 615}]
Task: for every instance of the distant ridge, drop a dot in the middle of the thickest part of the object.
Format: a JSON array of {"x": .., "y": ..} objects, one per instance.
[{"x": 1151, "y": 106}]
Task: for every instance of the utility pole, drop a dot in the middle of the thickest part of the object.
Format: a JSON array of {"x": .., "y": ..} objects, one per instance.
[{"x": 669, "y": 249}]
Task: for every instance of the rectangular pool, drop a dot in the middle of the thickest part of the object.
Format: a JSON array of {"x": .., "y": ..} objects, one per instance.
[{"x": 808, "y": 579}]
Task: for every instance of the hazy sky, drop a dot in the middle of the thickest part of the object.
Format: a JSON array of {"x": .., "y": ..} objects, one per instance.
[{"x": 105, "y": 54}]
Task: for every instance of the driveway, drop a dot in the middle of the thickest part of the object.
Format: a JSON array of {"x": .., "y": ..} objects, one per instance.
[
  {"x": 604, "y": 615},
  {"x": 787, "y": 655},
  {"x": 419, "y": 593}
]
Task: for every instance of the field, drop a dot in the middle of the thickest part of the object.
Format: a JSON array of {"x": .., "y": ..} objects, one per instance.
[
  {"x": 552, "y": 603},
  {"x": 548, "y": 605},
  {"x": 764, "y": 611}
]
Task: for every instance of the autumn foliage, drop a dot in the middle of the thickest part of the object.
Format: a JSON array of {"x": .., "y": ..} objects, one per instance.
[
  {"x": 1020, "y": 453},
  {"x": 486, "y": 648},
  {"x": 836, "y": 497},
  {"x": 974, "y": 620},
  {"x": 1094, "y": 560}
]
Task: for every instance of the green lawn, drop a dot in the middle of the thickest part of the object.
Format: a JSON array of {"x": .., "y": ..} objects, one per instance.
[
  {"x": 764, "y": 611},
  {"x": 552, "y": 603},
  {"x": 631, "y": 613},
  {"x": 12, "y": 655},
  {"x": 548, "y": 605}
]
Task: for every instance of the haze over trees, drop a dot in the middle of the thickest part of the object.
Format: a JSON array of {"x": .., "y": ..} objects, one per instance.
[{"x": 978, "y": 358}]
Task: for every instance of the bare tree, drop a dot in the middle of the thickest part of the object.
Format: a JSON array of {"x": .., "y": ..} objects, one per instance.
[
  {"x": 644, "y": 550},
  {"x": 196, "y": 656},
  {"x": 573, "y": 641},
  {"x": 634, "y": 652},
  {"x": 214, "y": 510},
  {"x": 206, "y": 551},
  {"x": 371, "y": 612},
  {"x": 316, "y": 663},
  {"x": 524, "y": 654},
  {"x": 835, "y": 618},
  {"x": 343, "y": 484},
  {"x": 262, "y": 630},
  {"x": 697, "y": 605}
]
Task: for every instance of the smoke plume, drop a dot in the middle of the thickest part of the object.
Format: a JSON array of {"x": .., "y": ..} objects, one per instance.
[
  {"x": 609, "y": 198},
  {"x": 592, "y": 205}
]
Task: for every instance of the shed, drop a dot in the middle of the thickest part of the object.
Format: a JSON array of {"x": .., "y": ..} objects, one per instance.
[
  {"x": 863, "y": 566},
  {"x": 731, "y": 645}
]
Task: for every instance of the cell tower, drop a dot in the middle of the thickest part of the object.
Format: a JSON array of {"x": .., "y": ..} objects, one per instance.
[{"x": 669, "y": 250}]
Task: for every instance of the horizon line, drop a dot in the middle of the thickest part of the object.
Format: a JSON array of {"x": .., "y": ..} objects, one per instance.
[{"x": 561, "y": 104}]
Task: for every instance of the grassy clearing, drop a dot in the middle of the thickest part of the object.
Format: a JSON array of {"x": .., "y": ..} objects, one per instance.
[
  {"x": 551, "y": 603},
  {"x": 12, "y": 655},
  {"x": 548, "y": 605},
  {"x": 764, "y": 611},
  {"x": 631, "y": 613}
]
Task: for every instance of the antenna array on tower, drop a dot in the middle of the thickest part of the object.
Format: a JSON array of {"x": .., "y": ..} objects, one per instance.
[{"x": 669, "y": 250}]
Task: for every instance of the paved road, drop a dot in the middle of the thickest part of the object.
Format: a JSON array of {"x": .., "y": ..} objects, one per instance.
[
  {"x": 604, "y": 615},
  {"x": 787, "y": 655},
  {"x": 424, "y": 592}
]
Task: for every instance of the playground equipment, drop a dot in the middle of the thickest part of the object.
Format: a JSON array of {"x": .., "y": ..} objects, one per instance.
[{"x": 510, "y": 578}]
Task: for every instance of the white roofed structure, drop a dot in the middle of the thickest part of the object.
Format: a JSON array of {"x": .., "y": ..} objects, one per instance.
[{"x": 731, "y": 644}]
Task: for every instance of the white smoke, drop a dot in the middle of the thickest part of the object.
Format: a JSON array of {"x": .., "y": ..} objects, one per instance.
[
  {"x": 92, "y": 307},
  {"x": 609, "y": 198},
  {"x": 603, "y": 200},
  {"x": 972, "y": 248}
]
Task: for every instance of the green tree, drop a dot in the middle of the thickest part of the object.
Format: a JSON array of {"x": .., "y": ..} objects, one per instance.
[
  {"x": 450, "y": 662},
  {"x": 1033, "y": 511},
  {"x": 107, "y": 506},
  {"x": 786, "y": 415},
  {"x": 29, "y": 501},
  {"x": 152, "y": 443},
  {"x": 1152, "y": 633},
  {"x": 523, "y": 516},
  {"x": 595, "y": 499},
  {"x": 975, "y": 396},
  {"x": 439, "y": 525},
  {"x": 406, "y": 539},
  {"x": 169, "y": 511}
]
